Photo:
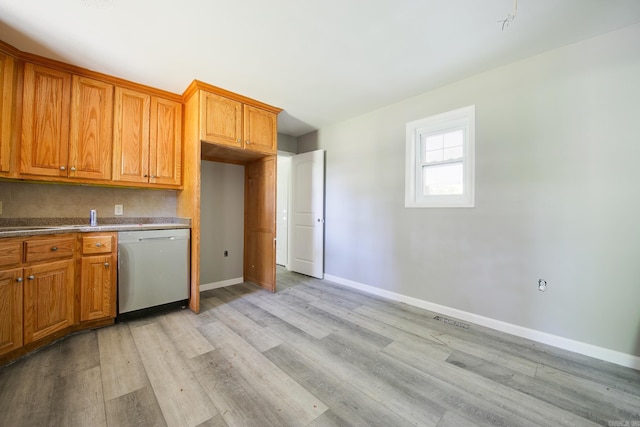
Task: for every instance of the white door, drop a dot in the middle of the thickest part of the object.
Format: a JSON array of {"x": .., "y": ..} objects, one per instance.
[
  {"x": 282, "y": 209},
  {"x": 306, "y": 240}
]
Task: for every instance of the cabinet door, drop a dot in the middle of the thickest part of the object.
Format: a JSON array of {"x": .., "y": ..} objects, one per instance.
[
  {"x": 220, "y": 120},
  {"x": 98, "y": 288},
  {"x": 45, "y": 121},
  {"x": 10, "y": 310},
  {"x": 6, "y": 105},
  {"x": 260, "y": 130},
  {"x": 165, "y": 153},
  {"x": 91, "y": 129},
  {"x": 48, "y": 299},
  {"x": 131, "y": 136}
]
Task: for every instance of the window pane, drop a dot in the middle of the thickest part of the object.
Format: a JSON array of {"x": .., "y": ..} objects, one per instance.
[
  {"x": 452, "y": 153},
  {"x": 433, "y": 142},
  {"x": 433, "y": 156},
  {"x": 442, "y": 179},
  {"x": 453, "y": 139}
]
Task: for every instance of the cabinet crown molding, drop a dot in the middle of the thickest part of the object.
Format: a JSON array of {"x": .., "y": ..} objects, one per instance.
[{"x": 199, "y": 85}]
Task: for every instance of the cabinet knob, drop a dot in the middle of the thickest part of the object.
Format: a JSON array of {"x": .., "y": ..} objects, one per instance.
[
  {"x": 106, "y": 264},
  {"x": 145, "y": 175},
  {"x": 54, "y": 248},
  {"x": 73, "y": 169},
  {"x": 19, "y": 279},
  {"x": 238, "y": 140},
  {"x": 153, "y": 176},
  {"x": 98, "y": 245},
  {"x": 31, "y": 277},
  {"x": 247, "y": 142},
  {"x": 62, "y": 168}
]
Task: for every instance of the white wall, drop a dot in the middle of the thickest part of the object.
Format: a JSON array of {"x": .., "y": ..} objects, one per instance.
[
  {"x": 557, "y": 197},
  {"x": 222, "y": 224}
]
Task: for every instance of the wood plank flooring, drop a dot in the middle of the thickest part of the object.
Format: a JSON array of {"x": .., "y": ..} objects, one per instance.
[{"x": 313, "y": 354}]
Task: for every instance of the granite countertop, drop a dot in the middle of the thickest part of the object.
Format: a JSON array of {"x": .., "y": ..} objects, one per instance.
[{"x": 24, "y": 227}]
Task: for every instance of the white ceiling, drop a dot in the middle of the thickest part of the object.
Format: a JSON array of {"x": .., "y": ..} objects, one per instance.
[{"x": 322, "y": 61}]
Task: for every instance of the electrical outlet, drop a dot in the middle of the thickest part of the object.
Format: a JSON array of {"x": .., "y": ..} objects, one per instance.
[{"x": 119, "y": 210}]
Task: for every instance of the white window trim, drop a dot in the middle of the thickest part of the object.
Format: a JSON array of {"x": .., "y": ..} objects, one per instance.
[{"x": 463, "y": 116}]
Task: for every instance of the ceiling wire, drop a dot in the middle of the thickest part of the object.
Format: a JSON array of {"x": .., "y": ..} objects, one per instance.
[{"x": 510, "y": 17}]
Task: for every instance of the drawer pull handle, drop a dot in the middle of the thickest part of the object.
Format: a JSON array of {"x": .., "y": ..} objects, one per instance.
[
  {"x": 98, "y": 245},
  {"x": 19, "y": 279},
  {"x": 31, "y": 277},
  {"x": 106, "y": 264},
  {"x": 53, "y": 249}
]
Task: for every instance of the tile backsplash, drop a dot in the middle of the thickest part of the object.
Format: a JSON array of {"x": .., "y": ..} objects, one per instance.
[{"x": 36, "y": 200}]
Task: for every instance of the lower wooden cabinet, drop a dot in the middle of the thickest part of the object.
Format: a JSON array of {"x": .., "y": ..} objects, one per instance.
[
  {"x": 10, "y": 310},
  {"x": 53, "y": 285},
  {"x": 98, "y": 277},
  {"x": 48, "y": 299}
]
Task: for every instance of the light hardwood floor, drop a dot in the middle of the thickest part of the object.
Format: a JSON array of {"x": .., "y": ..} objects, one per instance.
[{"x": 314, "y": 354}]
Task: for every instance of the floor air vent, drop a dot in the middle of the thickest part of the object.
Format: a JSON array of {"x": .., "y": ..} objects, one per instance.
[{"x": 452, "y": 322}]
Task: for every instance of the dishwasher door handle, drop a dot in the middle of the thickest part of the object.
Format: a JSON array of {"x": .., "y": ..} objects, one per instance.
[{"x": 142, "y": 239}]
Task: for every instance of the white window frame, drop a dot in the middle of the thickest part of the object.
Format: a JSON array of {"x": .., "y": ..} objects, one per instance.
[{"x": 462, "y": 118}]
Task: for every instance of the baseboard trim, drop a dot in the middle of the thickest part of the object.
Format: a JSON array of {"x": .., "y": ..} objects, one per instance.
[
  {"x": 601, "y": 353},
  {"x": 221, "y": 284}
]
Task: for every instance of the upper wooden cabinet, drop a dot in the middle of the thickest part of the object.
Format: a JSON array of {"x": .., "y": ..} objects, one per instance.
[
  {"x": 221, "y": 120},
  {"x": 45, "y": 121},
  {"x": 66, "y": 125},
  {"x": 7, "y": 70},
  {"x": 147, "y": 141},
  {"x": 233, "y": 123},
  {"x": 260, "y": 129},
  {"x": 90, "y": 138}
]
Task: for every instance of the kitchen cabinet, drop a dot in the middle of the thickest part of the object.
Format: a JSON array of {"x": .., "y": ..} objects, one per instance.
[
  {"x": 48, "y": 285},
  {"x": 52, "y": 285},
  {"x": 7, "y": 71},
  {"x": 235, "y": 124},
  {"x": 147, "y": 142},
  {"x": 10, "y": 310},
  {"x": 45, "y": 121},
  {"x": 260, "y": 129},
  {"x": 11, "y": 297},
  {"x": 48, "y": 299},
  {"x": 98, "y": 277},
  {"x": 217, "y": 125},
  {"x": 67, "y": 125},
  {"x": 91, "y": 129}
]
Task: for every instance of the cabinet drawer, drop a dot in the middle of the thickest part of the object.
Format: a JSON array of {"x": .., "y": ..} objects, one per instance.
[
  {"x": 10, "y": 252},
  {"x": 97, "y": 244},
  {"x": 46, "y": 249}
]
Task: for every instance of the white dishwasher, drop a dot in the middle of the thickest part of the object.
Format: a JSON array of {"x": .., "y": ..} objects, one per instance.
[{"x": 153, "y": 270}]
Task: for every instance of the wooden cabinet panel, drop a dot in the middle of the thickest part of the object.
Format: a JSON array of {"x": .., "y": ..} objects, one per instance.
[
  {"x": 260, "y": 130},
  {"x": 49, "y": 248},
  {"x": 10, "y": 253},
  {"x": 45, "y": 121},
  {"x": 131, "y": 136},
  {"x": 48, "y": 299},
  {"x": 10, "y": 310},
  {"x": 98, "y": 287},
  {"x": 147, "y": 143},
  {"x": 102, "y": 244},
  {"x": 7, "y": 66},
  {"x": 220, "y": 120},
  {"x": 165, "y": 152},
  {"x": 91, "y": 129},
  {"x": 260, "y": 224}
]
